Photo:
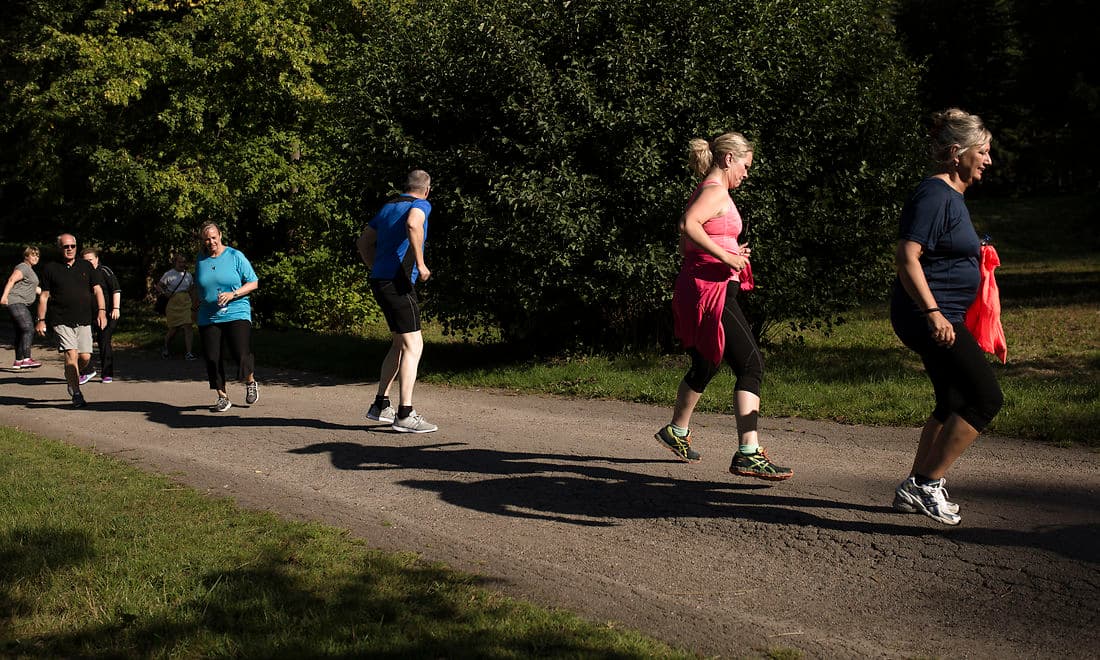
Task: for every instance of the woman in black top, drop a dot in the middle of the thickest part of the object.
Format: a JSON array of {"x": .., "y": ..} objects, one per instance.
[{"x": 937, "y": 261}]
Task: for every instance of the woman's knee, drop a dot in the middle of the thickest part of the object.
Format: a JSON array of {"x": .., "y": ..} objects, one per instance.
[
  {"x": 750, "y": 375},
  {"x": 990, "y": 404},
  {"x": 700, "y": 373}
]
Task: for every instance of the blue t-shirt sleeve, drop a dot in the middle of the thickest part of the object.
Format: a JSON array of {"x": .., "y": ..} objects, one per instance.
[{"x": 244, "y": 268}]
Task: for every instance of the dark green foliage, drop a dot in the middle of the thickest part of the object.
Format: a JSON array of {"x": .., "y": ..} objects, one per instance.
[
  {"x": 557, "y": 136},
  {"x": 555, "y": 133},
  {"x": 143, "y": 119},
  {"x": 1029, "y": 68}
]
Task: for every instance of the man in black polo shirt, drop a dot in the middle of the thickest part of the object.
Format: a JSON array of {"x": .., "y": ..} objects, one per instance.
[{"x": 71, "y": 286}]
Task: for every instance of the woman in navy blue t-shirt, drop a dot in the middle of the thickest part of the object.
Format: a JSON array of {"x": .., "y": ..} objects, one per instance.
[{"x": 937, "y": 262}]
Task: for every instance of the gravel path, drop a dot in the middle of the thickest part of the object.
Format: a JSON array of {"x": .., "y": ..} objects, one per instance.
[{"x": 573, "y": 504}]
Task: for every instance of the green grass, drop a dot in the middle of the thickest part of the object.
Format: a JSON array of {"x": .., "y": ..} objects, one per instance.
[{"x": 101, "y": 560}]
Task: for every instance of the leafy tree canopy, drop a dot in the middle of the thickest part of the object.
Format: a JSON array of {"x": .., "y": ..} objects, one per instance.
[{"x": 555, "y": 133}]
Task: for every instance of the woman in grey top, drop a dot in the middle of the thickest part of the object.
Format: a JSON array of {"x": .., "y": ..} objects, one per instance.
[{"x": 19, "y": 294}]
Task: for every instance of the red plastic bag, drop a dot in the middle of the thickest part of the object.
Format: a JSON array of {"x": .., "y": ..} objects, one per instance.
[{"x": 983, "y": 319}]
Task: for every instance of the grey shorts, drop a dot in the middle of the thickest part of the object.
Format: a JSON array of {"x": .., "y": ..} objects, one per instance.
[{"x": 74, "y": 338}]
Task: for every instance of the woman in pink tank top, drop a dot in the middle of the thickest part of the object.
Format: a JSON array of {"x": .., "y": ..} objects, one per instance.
[{"x": 708, "y": 321}]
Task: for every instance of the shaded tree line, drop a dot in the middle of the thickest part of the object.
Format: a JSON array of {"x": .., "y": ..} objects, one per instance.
[{"x": 555, "y": 133}]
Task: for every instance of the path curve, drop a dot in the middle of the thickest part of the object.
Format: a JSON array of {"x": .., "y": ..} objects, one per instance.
[{"x": 573, "y": 504}]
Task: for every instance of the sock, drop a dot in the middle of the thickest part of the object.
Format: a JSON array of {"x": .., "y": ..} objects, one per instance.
[
  {"x": 381, "y": 400},
  {"x": 678, "y": 431},
  {"x": 748, "y": 449},
  {"x": 925, "y": 481},
  {"x": 404, "y": 411}
]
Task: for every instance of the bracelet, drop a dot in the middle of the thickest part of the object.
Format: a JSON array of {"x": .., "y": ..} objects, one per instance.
[
  {"x": 103, "y": 309},
  {"x": 930, "y": 310}
]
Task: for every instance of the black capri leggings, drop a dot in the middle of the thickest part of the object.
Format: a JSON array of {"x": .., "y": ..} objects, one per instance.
[
  {"x": 234, "y": 337},
  {"x": 961, "y": 376},
  {"x": 741, "y": 352}
]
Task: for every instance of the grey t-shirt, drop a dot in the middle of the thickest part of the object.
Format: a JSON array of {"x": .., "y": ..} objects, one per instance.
[{"x": 23, "y": 291}]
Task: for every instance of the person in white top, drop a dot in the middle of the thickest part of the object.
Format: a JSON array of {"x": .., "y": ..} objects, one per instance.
[{"x": 177, "y": 284}]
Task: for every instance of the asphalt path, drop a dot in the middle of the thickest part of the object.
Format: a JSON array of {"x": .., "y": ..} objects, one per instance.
[{"x": 572, "y": 503}]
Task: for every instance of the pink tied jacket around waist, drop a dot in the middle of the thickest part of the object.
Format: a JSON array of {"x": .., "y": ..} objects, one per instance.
[{"x": 699, "y": 296}]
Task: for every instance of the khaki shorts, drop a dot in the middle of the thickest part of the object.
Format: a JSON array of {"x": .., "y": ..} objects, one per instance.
[{"x": 73, "y": 338}]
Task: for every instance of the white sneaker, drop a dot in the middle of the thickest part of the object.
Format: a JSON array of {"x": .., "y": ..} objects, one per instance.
[
  {"x": 902, "y": 505},
  {"x": 251, "y": 392},
  {"x": 414, "y": 423},
  {"x": 929, "y": 500}
]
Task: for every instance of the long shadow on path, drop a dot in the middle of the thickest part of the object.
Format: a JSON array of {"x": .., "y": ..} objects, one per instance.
[{"x": 585, "y": 491}]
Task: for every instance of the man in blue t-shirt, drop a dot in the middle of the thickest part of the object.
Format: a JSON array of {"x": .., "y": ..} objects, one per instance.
[{"x": 392, "y": 247}]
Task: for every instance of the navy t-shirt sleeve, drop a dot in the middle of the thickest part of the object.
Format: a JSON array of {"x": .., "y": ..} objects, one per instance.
[{"x": 924, "y": 218}]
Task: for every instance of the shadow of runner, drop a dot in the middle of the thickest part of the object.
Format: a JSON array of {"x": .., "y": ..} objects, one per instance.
[
  {"x": 535, "y": 482},
  {"x": 582, "y": 490},
  {"x": 183, "y": 417}
]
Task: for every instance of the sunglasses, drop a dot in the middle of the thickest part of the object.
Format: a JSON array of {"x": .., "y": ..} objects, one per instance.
[{"x": 68, "y": 247}]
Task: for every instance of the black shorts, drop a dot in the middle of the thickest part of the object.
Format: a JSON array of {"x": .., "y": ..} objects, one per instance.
[{"x": 397, "y": 299}]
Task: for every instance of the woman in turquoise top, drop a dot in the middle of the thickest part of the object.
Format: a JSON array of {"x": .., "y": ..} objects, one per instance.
[{"x": 224, "y": 278}]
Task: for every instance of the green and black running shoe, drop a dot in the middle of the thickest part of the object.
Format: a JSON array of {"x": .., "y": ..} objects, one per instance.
[
  {"x": 677, "y": 445},
  {"x": 758, "y": 465}
]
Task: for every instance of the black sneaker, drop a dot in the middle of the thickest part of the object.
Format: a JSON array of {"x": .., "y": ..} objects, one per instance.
[
  {"x": 758, "y": 465},
  {"x": 78, "y": 400},
  {"x": 677, "y": 445}
]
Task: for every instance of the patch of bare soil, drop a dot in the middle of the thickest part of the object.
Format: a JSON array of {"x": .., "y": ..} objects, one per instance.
[{"x": 573, "y": 504}]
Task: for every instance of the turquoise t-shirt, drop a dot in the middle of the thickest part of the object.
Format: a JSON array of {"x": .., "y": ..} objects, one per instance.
[{"x": 222, "y": 274}]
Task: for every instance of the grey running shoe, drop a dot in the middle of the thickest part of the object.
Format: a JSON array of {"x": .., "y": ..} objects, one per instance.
[
  {"x": 78, "y": 400},
  {"x": 188, "y": 356},
  {"x": 87, "y": 377},
  {"x": 929, "y": 500},
  {"x": 414, "y": 423},
  {"x": 386, "y": 415},
  {"x": 221, "y": 405},
  {"x": 903, "y": 505},
  {"x": 677, "y": 445},
  {"x": 251, "y": 392}
]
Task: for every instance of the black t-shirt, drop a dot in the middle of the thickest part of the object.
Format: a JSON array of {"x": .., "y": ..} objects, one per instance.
[
  {"x": 936, "y": 217},
  {"x": 72, "y": 299}
]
